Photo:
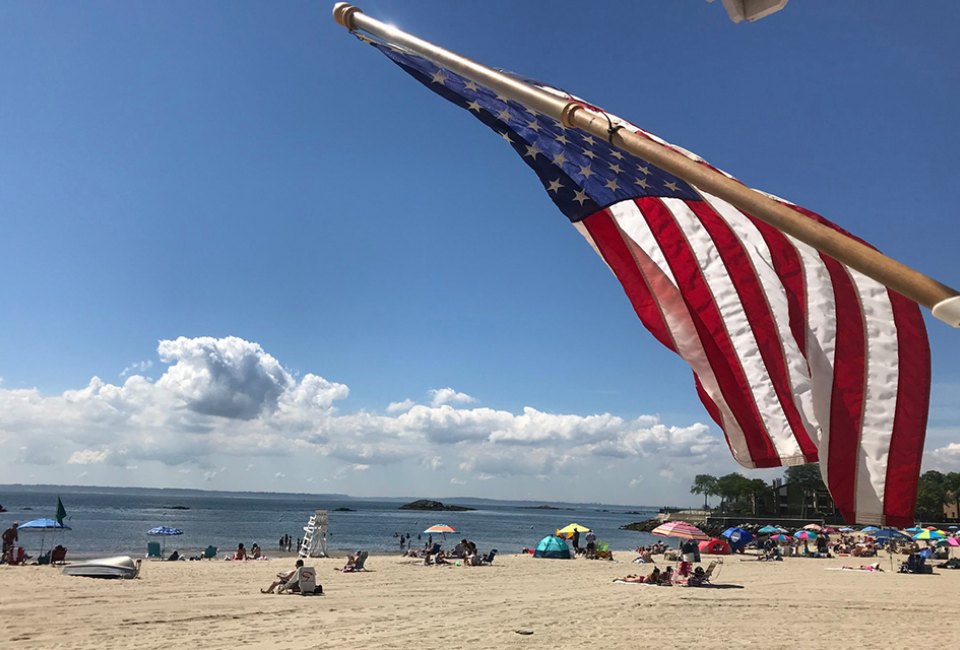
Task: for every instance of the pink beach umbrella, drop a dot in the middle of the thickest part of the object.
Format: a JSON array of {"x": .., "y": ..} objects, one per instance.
[
  {"x": 814, "y": 527},
  {"x": 680, "y": 529},
  {"x": 805, "y": 534}
]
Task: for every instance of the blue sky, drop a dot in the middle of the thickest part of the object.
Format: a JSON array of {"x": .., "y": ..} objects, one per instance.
[{"x": 242, "y": 190}]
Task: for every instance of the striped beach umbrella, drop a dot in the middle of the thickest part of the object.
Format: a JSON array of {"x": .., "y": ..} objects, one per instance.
[
  {"x": 805, "y": 534},
  {"x": 780, "y": 537},
  {"x": 930, "y": 534},
  {"x": 680, "y": 529},
  {"x": 869, "y": 530}
]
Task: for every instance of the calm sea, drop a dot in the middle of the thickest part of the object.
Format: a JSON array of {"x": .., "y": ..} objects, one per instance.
[{"x": 108, "y": 521}]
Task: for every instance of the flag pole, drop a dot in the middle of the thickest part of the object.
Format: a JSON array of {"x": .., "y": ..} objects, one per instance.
[{"x": 944, "y": 301}]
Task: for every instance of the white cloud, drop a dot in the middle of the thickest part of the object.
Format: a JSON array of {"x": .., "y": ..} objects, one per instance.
[
  {"x": 136, "y": 367},
  {"x": 400, "y": 407},
  {"x": 944, "y": 459},
  {"x": 88, "y": 457},
  {"x": 440, "y": 396},
  {"x": 221, "y": 399},
  {"x": 635, "y": 482}
]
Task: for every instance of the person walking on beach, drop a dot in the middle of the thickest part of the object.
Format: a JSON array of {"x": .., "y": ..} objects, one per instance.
[
  {"x": 10, "y": 536},
  {"x": 576, "y": 541}
]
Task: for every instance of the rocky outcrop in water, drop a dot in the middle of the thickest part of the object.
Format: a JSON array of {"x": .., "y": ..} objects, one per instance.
[{"x": 426, "y": 504}]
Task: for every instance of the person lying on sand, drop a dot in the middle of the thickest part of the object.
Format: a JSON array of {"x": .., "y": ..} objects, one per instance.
[
  {"x": 651, "y": 579},
  {"x": 872, "y": 568}
]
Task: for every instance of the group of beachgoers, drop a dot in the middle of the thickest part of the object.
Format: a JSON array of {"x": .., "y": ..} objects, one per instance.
[
  {"x": 464, "y": 553},
  {"x": 242, "y": 553}
]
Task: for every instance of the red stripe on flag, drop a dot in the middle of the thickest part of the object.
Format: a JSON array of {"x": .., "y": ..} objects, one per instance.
[
  {"x": 757, "y": 310},
  {"x": 731, "y": 379},
  {"x": 789, "y": 268},
  {"x": 910, "y": 420},
  {"x": 847, "y": 394},
  {"x": 610, "y": 242}
]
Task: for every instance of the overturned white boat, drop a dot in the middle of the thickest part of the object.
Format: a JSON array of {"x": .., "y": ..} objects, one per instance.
[{"x": 121, "y": 566}]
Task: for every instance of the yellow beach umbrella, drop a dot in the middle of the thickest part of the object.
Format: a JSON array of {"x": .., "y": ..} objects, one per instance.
[{"x": 568, "y": 530}]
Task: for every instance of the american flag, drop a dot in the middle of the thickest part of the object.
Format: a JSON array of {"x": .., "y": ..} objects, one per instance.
[{"x": 796, "y": 357}]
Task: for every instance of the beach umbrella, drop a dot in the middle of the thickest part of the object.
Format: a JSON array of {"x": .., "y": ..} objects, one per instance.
[
  {"x": 829, "y": 530},
  {"x": 814, "y": 527},
  {"x": 567, "y": 531},
  {"x": 869, "y": 530},
  {"x": 164, "y": 532},
  {"x": 440, "y": 528},
  {"x": 805, "y": 534},
  {"x": 889, "y": 533},
  {"x": 780, "y": 537},
  {"x": 847, "y": 529},
  {"x": 930, "y": 534},
  {"x": 949, "y": 541},
  {"x": 42, "y": 526},
  {"x": 443, "y": 529},
  {"x": 769, "y": 530},
  {"x": 680, "y": 529},
  {"x": 913, "y": 530},
  {"x": 738, "y": 536}
]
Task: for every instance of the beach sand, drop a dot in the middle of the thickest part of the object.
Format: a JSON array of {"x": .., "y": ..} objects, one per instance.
[{"x": 398, "y": 604}]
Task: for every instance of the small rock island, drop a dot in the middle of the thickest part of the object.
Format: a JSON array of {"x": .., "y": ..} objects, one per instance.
[{"x": 426, "y": 504}]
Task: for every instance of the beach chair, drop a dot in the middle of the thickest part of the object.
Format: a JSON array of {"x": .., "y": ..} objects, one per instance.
[
  {"x": 209, "y": 553},
  {"x": 58, "y": 555},
  {"x": 358, "y": 564},
  {"x": 488, "y": 558},
  {"x": 153, "y": 550},
  {"x": 703, "y": 579}
]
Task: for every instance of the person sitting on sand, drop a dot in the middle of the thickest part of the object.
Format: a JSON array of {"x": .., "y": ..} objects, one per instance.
[
  {"x": 255, "y": 551},
  {"x": 282, "y": 579},
  {"x": 241, "y": 553},
  {"x": 666, "y": 578}
]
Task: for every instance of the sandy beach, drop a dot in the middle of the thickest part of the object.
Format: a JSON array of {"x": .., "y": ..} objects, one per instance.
[{"x": 399, "y": 604}]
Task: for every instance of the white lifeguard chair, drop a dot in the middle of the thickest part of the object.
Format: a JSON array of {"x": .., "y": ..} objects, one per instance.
[{"x": 314, "y": 542}]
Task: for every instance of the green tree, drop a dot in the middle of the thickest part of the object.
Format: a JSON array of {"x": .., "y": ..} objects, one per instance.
[
  {"x": 952, "y": 483},
  {"x": 806, "y": 475},
  {"x": 757, "y": 488},
  {"x": 704, "y": 484},
  {"x": 731, "y": 488},
  {"x": 931, "y": 495}
]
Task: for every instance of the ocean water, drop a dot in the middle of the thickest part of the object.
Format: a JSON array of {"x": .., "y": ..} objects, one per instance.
[{"x": 109, "y": 521}]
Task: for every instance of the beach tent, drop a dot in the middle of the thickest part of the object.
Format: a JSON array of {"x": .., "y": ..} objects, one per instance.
[
  {"x": 552, "y": 547},
  {"x": 715, "y": 546}
]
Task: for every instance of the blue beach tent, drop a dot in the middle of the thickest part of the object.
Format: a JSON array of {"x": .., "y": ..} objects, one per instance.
[{"x": 553, "y": 547}]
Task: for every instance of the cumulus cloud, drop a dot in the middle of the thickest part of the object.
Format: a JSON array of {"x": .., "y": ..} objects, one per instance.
[
  {"x": 228, "y": 397},
  {"x": 400, "y": 407},
  {"x": 136, "y": 367},
  {"x": 439, "y": 396},
  {"x": 944, "y": 459}
]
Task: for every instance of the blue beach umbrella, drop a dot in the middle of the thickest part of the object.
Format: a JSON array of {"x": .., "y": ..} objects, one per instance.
[
  {"x": 769, "y": 530},
  {"x": 42, "y": 526},
  {"x": 805, "y": 534},
  {"x": 164, "y": 532},
  {"x": 890, "y": 533},
  {"x": 869, "y": 530},
  {"x": 738, "y": 537}
]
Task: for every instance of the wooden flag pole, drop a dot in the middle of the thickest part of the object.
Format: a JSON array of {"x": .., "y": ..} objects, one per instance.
[{"x": 941, "y": 299}]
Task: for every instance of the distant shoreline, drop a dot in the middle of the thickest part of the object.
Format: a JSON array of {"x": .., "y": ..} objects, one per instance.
[{"x": 172, "y": 492}]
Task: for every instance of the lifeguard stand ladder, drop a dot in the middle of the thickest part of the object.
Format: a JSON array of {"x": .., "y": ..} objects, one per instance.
[{"x": 314, "y": 542}]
